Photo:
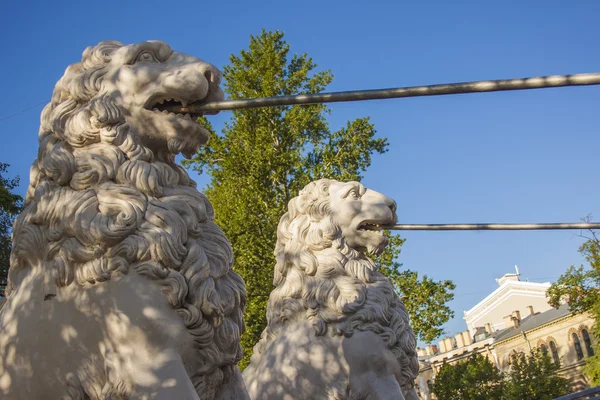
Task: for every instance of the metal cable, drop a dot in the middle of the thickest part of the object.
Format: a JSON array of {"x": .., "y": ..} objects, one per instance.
[
  {"x": 392, "y": 93},
  {"x": 491, "y": 227}
]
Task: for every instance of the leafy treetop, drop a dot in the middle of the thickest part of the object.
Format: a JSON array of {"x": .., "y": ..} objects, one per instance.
[
  {"x": 264, "y": 157},
  {"x": 11, "y": 205}
]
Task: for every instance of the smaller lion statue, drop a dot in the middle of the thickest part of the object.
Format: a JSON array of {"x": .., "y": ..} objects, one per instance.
[
  {"x": 336, "y": 329},
  {"x": 120, "y": 284}
]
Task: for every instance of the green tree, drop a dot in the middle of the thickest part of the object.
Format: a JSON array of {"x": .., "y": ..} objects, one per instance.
[
  {"x": 475, "y": 378},
  {"x": 10, "y": 206},
  {"x": 580, "y": 286},
  {"x": 263, "y": 157},
  {"x": 425, "y": 299},
  {"x": 534, "y": 377}
]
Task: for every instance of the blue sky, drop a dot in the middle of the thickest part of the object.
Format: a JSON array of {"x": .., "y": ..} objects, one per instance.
[{"x": 500, "y": 157}]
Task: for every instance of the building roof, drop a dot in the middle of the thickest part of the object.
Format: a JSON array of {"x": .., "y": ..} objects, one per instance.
[
  {"x": 532, "y": 321},
  {"x": 503, "y": 289}
]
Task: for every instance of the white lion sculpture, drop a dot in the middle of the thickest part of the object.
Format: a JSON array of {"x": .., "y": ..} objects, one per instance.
[
  {"x": 121, "y": 285},
  {"x": 336, "y": 329}
]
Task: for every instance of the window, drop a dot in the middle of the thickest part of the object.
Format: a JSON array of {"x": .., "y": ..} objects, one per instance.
[
  {"x": 544, "y": 349},
  {"x": 577, "y": 345},
  {"x": 554, "y": 351},
  {"x": 588, "y": 342}
]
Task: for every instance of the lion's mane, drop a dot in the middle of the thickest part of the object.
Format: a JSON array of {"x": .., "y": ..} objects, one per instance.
[
  {"x": 338, "y": 289},
  {"x": 100, "y": 204}
]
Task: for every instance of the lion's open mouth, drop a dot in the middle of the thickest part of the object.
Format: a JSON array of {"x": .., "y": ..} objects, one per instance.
[
  {"x": 164, "y": 106},
  {"x": 376, "y": 226},
  {"x": 370, "y": 226}
]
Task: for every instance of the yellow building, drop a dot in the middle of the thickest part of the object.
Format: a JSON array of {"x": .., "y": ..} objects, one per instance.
[{"x": 564, "y": 335}]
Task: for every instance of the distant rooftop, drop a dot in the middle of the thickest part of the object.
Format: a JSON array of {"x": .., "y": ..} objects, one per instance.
[
  {"x": 508, "y": 283},
  {"x": 532, "y": 321},
  {"x": 509, "y": 277}
]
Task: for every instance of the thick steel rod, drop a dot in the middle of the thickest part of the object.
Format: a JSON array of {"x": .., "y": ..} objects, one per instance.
[
  {"x": 491, "y": 227},
  {"x": 392, "y": 93}
]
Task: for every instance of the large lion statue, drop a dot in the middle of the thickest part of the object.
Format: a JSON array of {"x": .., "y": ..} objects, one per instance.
[
  {"x": 121, "y": 285},
  {"x": 336, "y": 328}
]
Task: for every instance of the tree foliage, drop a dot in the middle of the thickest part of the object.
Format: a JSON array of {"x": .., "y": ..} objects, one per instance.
[
  {"x": 580, "y": 286},
  {"x": 10, "y": 206},
  {"x": 476, "y": 378},
  {"x": 534, "y": 377},
  {"x": 263, "y": 157},
  {"x": 425, "y": 299}
]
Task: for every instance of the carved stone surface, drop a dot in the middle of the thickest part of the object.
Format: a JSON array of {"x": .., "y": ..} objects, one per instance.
[
  {"x": 121, "y": 285},
  {"x": 336, "y": 329}
]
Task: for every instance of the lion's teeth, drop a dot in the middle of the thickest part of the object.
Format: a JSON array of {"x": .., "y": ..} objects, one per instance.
[
  {"x": 371, "y": 226},
  {"x": 161, "y": 101},
  {"x": 184, "y": 103},
  {"x": 188, "y": 116},
  {"x": 165, "y": 112},
  {"x": 155, "y": 109}
]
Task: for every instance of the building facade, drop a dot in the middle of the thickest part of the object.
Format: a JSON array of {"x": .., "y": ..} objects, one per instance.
[{"x": 565, "y": 336}]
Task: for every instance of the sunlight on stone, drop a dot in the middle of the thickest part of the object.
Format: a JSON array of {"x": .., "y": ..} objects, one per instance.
[
  {"x": 150, "y": 313},
  {"x": 5, "y": 381},
  {"x": 169, "y": 383},
  {"x": 68, "y": 333}
]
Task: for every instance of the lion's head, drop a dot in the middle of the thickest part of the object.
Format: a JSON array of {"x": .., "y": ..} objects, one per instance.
[
  {"x": 132, "y": 84},
  {"x": 106, "y": 196},
  {"x": 323, "y": 275}
]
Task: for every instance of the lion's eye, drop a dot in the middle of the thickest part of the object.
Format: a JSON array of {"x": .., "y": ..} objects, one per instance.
[
  {"x": 354, "y": 194},
  {"x": 147, "y": 57}
]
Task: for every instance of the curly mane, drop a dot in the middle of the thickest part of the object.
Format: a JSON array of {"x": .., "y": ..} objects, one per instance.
[
  {"x": 338, "y": 289},
  {"x": 100, "y": 204}
]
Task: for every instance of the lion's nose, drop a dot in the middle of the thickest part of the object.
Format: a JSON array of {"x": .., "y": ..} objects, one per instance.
[
  {"x": 390, "y": 203},
  {"x": 211, "y": 73},
  {"x": 393, "y": 206}
]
